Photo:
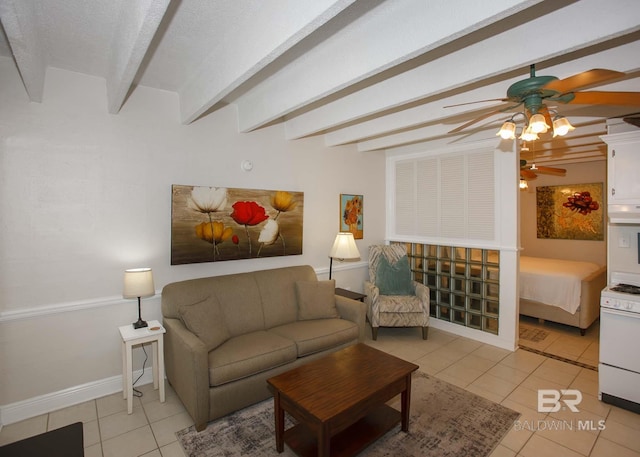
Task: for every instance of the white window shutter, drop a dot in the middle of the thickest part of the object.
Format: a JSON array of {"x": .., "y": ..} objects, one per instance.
[
  {"x": 480, "y": 196},
  {"x": 452, "y": 197},
  {"x": 405, "y": 198},
  {"x": 449, "y": 196},
  {"x": 427, "y": 197}
]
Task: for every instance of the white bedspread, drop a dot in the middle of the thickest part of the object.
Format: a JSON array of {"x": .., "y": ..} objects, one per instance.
[{"x": 554, "y": 282}]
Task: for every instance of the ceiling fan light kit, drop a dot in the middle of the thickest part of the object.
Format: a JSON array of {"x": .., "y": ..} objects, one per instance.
[
  {"x": 534, "y": 92},
  {"x": 536, "y": 124}
]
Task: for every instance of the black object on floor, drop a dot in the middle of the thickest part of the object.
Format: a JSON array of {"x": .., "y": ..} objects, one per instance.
[{"x": 62, "y": 442}]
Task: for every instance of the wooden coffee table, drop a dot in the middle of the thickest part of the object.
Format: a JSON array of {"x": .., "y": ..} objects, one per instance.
[{"x": 338, "y": 401}]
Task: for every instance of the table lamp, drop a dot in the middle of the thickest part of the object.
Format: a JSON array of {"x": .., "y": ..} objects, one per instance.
[
  {"x": 344, "y": 247},
  {"x": 138, "y": 283}
]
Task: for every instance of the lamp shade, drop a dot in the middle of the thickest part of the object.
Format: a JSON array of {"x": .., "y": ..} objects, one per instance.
[
  {"x": 344, "y": 247},
  {"x": 538, "y": 123},
  {"x": 507, "y": 131},
  {"x": 138, "y": 282},
  {"x": 528, "y": 135},
  {"x": 561, "y": 126},
  {"x": 524, "y": 184}
]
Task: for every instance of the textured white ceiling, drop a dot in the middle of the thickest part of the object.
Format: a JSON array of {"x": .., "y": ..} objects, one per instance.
[{"x": 377, "y": 73}]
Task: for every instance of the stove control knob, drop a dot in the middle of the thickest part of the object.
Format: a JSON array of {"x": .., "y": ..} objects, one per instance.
[
  {"x": 615, "y": 303},
  {"x": 628, "y": 305}
]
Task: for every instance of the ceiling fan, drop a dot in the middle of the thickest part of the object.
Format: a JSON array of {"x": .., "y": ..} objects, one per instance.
[
  {"x": 534, "y": 91},
  {"x": 531, "y": 170}
]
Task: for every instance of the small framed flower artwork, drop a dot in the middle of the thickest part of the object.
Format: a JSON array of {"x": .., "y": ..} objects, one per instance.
[
  {"x": 351, "y": 214},
  {"x": 213, "y": 224}
]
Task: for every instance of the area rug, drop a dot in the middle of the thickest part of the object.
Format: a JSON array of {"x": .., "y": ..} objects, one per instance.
[
  {"x": 532, "y": 334},
  {"x": 445, "y": 421}
]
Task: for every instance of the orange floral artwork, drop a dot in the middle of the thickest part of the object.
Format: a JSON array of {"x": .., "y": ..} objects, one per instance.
[{"x": 351, "y": 215}]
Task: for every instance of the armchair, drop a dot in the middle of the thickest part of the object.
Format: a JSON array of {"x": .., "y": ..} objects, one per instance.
[{"x": 393, "y": 298}]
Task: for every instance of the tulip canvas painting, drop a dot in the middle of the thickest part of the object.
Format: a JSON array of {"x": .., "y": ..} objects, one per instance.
[{"x": 212, "y": 224}]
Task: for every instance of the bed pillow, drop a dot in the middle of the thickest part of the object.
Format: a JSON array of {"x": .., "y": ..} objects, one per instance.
[
  {"x": 206, "y": 320},
  {"x": 316, "y": 299},
  {"x": 394, "y": 279}
]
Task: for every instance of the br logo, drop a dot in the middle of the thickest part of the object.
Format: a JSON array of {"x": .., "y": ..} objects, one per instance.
[{"x": 549, "y": 400}]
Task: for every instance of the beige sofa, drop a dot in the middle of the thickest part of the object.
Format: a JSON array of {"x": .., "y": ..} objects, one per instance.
[{"x": 226, "y": 335}]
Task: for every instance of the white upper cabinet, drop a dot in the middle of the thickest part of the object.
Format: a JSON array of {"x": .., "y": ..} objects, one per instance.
[
  {"x": 623, "y": 176},
  {"x": 624, "y": 167}
]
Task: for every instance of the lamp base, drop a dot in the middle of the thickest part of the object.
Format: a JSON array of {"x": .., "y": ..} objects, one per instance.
[{"x": 140, "y": 324}]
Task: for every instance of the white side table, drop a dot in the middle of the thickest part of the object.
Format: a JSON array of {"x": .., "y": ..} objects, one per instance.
[{"x": 134, "y": 337}]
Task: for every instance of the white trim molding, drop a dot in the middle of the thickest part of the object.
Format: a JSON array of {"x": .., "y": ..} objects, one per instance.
[
  {"x": 43, "y": 404},
  {"x": 47, "y": 310}
]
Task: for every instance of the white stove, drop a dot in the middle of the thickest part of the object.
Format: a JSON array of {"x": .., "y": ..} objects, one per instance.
[
  {"x": 619, "y": 368},
  {"x": 623, "y": 293}
]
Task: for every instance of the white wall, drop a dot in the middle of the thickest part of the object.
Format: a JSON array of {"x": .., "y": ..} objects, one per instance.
[
  {"x": 581, "y": 250},
  {"x": 624, "y": 258},
  {"x": 85, "y": 195}
]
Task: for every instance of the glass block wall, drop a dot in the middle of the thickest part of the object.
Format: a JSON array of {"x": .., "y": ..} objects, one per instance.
[{"x": 463, "y": 283}]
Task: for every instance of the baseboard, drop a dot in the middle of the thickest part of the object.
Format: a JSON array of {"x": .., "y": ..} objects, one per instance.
[
  {"x": 478, "y": 335},
  {"x": 43, "y": 404}
]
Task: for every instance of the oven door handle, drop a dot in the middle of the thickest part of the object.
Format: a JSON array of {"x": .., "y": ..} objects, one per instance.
[{"x": 627, "y": 314}]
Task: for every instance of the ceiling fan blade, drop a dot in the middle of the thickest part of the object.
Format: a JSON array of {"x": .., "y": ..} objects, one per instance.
[
  {"x": 584, "y": 79},
  {"x": 632, "y": 120},
  {"x": 479, "y": 101},
  {"x": 484, "y": 116},
  {"x": 552, "y": 170},
  {"x": 473, "y": 121},
  {"x": 528, "y": 174},
  {"x": 606, "y": 98}
]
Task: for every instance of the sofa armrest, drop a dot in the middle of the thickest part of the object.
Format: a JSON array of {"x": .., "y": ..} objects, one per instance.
[
  {"x": 422, "y": 291},
  {"x": 354, "y": 311},
  {"x": 187, "y": 367}
]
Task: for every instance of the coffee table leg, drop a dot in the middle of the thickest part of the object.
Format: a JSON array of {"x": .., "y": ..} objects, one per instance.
[
  {"x": 406, "y": 402},
  {"x": 324, "y": 441},
  {"x": 279, "y": 415}
]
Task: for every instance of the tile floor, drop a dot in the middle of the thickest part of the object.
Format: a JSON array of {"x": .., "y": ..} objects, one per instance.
[
  {"x": 510, "y": 378},
  {"x": 566, "y": 342}
]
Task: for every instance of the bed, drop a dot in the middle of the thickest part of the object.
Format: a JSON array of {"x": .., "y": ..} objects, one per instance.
[{"x": 562, "y": 291}]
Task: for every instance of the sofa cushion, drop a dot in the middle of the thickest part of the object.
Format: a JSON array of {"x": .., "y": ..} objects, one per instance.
[
  {"x": 246, "y": 355},
  {"x": 206, "y": 320},
  {"x": 240, "y": 302},
  {"x": 278, "y": 293},
  {"x": 394, "y": 279},
  {"x": 316, "y": 299},
  {"x": 318, "y": 335}
]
